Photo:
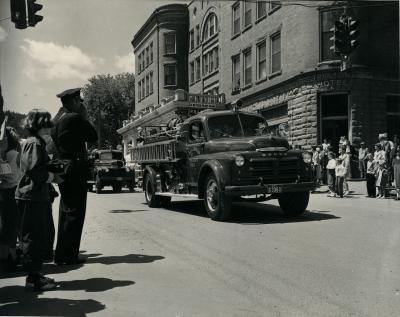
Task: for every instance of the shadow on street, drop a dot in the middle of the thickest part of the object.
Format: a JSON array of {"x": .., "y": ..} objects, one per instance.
[
  {"x": 252, "y": 213},
  {"x": 124, "y": 211},
  {"x": 17, "y": 302},
  {"x": 92, "y": 285},
  {"x": 128, "y": 259}
]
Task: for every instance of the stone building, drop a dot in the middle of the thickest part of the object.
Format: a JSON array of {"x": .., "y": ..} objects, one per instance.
[
  {"x": 275, "y": 58},
  {"x": 161, "y": 50}
]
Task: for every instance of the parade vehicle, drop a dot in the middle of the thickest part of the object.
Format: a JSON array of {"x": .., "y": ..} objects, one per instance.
[
  {"x": 223, "y": 156},
  {"x": 108, "y": 168}
]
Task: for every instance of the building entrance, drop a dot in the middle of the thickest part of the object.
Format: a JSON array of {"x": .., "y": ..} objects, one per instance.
[{"x": 334, "y": 118}]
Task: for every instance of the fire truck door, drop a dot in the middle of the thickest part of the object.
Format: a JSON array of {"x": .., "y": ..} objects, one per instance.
[{"x": 194, "y": 148}]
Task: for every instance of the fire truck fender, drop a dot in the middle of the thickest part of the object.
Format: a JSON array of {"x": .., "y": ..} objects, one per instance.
[
  {"x": 215, "y": 167},
  {"x": 154, "y": 175}
]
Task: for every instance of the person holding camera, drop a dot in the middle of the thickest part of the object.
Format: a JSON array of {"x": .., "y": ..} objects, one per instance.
[
  {"x": 34, "y": 197},
  {"x": 70, "y": 133}
]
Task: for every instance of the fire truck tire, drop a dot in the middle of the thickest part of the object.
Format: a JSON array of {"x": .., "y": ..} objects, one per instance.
[
  {"x": 149, "y": 191},
  {"x": 218, "y": 205},
  {"x": 294, "y": 204}
]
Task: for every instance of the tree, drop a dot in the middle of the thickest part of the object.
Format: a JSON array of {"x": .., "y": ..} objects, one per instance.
[{"x": 109, "y": 100}]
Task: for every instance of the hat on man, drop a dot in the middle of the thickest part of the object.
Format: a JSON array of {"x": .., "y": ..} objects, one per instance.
[
  {"x": 382, "y": 136},
  {"x": 69, "y": 93}
]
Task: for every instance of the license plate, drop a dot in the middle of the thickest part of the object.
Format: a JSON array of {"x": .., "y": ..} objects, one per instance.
[{"x": 274, "y": 189}]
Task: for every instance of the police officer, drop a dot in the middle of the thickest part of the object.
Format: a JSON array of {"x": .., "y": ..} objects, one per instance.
[{"x": 70, "y": 133}]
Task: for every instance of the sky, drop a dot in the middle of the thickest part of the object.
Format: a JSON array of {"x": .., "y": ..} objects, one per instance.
[{"x": 76, "y": 40}]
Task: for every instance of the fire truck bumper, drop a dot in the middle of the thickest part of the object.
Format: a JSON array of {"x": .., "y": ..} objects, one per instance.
[{"x": 268, "y": 189}]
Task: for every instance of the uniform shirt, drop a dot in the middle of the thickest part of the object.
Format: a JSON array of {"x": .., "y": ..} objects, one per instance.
[{"x": 70, "y": 133}]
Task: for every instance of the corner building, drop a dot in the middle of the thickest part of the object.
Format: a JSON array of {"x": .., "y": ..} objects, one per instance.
[
  {"x": 275, "y": 58},
  {"x": 161, "y": 50}
]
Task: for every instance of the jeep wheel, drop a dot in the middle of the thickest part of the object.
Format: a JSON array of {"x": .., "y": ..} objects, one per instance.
[
  {"x": 117, "y": 188},
  {"x": 149, "y": 192},
  {"x": 294, "y": 204},
  {"x": 218, "y": 205}
]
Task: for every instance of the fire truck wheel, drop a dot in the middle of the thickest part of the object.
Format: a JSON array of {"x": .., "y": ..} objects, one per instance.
[
  {"x": 218, "y": 205},
  {"x": 294, "y": 204},
  {"x": 149, "y": 192}
]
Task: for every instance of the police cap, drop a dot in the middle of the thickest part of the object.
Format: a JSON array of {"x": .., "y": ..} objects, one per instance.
[{"x": 69, "y": 93}]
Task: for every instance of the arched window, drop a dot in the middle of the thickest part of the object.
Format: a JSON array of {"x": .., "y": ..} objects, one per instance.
[{"x": 210, "y": 26}]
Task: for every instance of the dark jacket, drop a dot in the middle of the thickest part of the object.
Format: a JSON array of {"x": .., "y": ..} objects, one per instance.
[
  {"x": 70, "y": 132},
  {"x": 33, "y": 184}
]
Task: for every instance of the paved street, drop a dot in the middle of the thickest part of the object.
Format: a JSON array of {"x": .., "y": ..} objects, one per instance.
[{"x": 342, "y": 258}]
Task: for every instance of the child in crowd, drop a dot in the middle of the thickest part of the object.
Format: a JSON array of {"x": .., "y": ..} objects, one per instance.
[
  {"x": 330, "y": 171},
  {"x": 371, "y": 170},
  {"x": 340, "y": 171},
  {"x": 34, "y": 199},
  {"x": 381, "y": 170}
]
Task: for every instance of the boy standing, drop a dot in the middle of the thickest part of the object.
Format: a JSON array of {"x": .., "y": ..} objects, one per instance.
[
  {"x": 340, "y": 172},
  {"x": 371, "y": 170},
  {"x": 330, "y": 171}
]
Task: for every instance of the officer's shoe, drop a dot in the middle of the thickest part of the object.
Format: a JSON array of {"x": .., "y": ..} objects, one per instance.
[{"x": 69, "y": 261}]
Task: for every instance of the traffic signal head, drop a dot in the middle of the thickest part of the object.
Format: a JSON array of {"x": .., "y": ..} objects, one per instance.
[
  {"x": 34, "y": 7},
  {"x": 18, "y": 13},
  {"x": 339, "y": 37},
  {"x": 353, "y": 32}
]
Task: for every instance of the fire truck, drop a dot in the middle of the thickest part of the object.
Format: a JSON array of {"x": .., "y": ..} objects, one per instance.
[{"x": 221, "y": 156}]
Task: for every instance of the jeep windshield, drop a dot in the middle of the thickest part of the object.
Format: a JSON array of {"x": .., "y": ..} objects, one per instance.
[
  {"x": 110, "y": 156},
  {"x": 236, "y": 125}
]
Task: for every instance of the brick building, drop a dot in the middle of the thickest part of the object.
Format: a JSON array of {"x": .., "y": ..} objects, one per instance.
[
  {"x": 276, "y": 59},
  {"x": 161, "y": 50}
]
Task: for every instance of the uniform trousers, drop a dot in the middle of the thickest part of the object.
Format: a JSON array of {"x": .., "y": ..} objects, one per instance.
[
  {"x": 371, "y": 189},
  {"x": 71, "y": 217}
]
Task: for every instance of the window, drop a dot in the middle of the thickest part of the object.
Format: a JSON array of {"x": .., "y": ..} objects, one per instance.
[
  {"x": 327, "y": 21},
  {"x": 236, "y": 72},
  {"x": 147, "y": 57},
  {"x": 147, "y": 86},
  {"x": 140, "y": 62},
  {"x": 211, "y": 59},
  {"x": 247, "y": 69},
  {"x": 198, "y": 68},
  {"x": 205, "y": 65},
  {"x": 275, "y": 5},
  {"x": 140, "y": 90},
  {"x": 197, "y": 35},
  {"x": 210, "y": 26},
  {"x": 261, "y": 60},
  {"x": 170, "y": 43},
  {"x": 143, "y": 61},
  {"x": 170, "y": 75},
  {"x": 247, "y": 14},
  {"x": 151, "y": 52},
  {"x": 191, "y": 69},
  {"x": 191, "y": 39},
  {"x": 261, "y": 9},
  {"x": 196, "y": 133},
  {"x": 236, "y": 19},
  {"x": 276, "y": 52},
  {"x": 216, "y": 56},
  {"x": 143, "y": 88},
  {"x": 151, "y": 82},
  {"x": 277, "y": 119}
]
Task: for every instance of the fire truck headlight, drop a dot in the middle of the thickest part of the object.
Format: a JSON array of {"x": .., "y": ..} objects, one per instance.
[{"x": 239, "y": 160}]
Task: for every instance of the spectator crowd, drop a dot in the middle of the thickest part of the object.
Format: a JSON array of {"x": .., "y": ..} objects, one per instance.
[{"x": 378, "y": 165}]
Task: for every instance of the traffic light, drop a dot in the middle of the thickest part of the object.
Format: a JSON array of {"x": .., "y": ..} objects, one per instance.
[
  {"x": 339, "y": 37},
  {"x": 353, "y": 32},
  {"x": 18, "y": 13},
  {"x": 34, "y": 7}
]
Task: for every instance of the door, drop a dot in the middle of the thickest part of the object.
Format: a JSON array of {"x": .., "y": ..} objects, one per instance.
[
  {"x": 334, "y": 118},
  {"x": 194, "y": 148}
]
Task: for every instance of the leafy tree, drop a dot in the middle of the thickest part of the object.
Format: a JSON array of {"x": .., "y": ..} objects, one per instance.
[{"x": 109, "y": 100}]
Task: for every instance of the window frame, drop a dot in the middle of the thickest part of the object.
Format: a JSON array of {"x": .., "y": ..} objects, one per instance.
[
  {"x": 191, "y": 40},
  {"x": 236, "y": 6},
  {"x": 198, "y": 68},
  {"x": 139, "y": 90},
  {"x": 258, "y": 16},
  {"x": 166, "y": 85},
  {"x": 151, "y": 53},
  {"x": 247, "y": 53},
  {"x": 166, "y": 35},
  {"x": 273, "y": 8},
  {"x": 271, "y": 55},
  {"x": 247, "y": 4},
  {"x": 151, "y": 83},
  {"x": 236, "y": 58},
  {"x": 192, "y": 72},
  {"x": 198, "y": 41},
  {"x": 258, "y": 61}
]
